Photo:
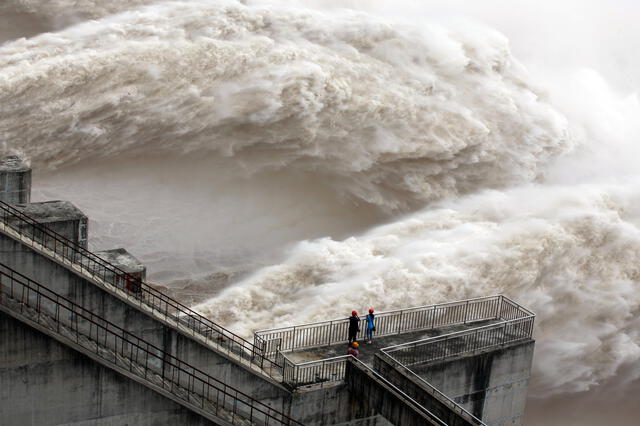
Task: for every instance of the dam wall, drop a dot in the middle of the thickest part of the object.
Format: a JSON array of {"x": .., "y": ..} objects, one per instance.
[
  {"x": 422, "y": 391},
  {"x": 86, "y": 341},
  {"x": 46, "y": 383},
  {"x": 122, "y": 311},
  {"x": 491, "y": 385}
]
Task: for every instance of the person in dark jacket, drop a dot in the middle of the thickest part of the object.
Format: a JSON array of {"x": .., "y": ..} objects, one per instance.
[
  {"x": 354, "y": 326},
  {"x": 371, "y": 325}
]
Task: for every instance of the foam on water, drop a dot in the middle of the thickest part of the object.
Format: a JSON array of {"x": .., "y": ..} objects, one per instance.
[{"x": 432, "y": 162}]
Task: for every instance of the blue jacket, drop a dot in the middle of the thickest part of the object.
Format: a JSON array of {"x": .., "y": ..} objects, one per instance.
[{"x": 370, "y": 321}]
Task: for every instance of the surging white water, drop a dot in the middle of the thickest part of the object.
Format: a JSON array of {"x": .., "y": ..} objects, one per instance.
[
  {"x": 387, "y": 115},
  {"x": 568, "y": 252},
  {"x": 330, "y": 122}
]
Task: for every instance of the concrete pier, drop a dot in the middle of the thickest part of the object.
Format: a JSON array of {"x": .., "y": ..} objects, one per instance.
[
  {"x": 133, "y": 272},
  {"x": 62, "y": 217},
  {"x": 15, "y": 180},
  {"x": 491, "y": 385}
]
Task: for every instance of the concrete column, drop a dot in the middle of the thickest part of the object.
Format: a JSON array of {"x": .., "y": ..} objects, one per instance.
[{"x": 15, "y": 180}]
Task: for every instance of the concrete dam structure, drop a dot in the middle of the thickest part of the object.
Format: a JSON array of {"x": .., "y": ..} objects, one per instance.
[{"x": 84, "y": 340}]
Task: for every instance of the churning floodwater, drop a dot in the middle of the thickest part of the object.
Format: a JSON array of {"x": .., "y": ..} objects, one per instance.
[{"x": 284, "y": 162}]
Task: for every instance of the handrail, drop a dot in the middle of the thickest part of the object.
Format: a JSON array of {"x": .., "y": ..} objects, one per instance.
[
  {"x": 110, "y": 274},
  {"x": 378, "y": 314},
  {"x": 428, "y": 317},
  {"x": 316, "y": 374},
  {"x": 382, "y": 380},
  {"x": 101, "y": 331},
  {"x": 448, "y": 335},
  {"x": 323, "y": 371},
  {"x": 461, "y": 342},
  {"x": 437, "y": 393},
  {"x": 327, "y": 369}
]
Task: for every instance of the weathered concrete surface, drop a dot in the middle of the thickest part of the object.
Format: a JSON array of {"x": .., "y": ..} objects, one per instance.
[
  {"x": 418, "y": 390},
  {"x": 15, "y": 180},
  {"x": 61, "y": 217},
  {"x": 126, "y": 262},
  {"x": 377, "y": 420},
  {"x": 368, "y": 397},
  {"x": 123, "y": 313},
  {"x": 491, "y": 385},
  {"x": 324, "y": 405},
  {"x": 46, "y": 383}
]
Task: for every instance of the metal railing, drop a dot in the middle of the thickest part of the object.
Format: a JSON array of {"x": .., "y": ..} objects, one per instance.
[
  {"x": 109, "y": 276},
  {"x": 331, "y": 370},
  {"x": 118, "y": 348},
  {"x": 516, "y": 324},
  {"x": 382, "y": 381},
  {"x": 320, "y": 372},
  {"x": 462, "y": 342},
  {"x": 326, "y": 333},
  {"x": 433, "y": 391}
]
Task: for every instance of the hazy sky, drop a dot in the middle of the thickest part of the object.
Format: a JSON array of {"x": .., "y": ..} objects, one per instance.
[{"x": 603, "y": 35}]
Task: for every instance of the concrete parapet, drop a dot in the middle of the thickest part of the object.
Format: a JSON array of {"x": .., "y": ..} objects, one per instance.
[
  {"x": 135, "y": 271},
  {"x": 122, "y": 312},
  {"x": 61, "y": 217}
]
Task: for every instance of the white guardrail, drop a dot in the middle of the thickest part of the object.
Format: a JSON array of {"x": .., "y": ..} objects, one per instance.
[{"x": 324, "y": 333}]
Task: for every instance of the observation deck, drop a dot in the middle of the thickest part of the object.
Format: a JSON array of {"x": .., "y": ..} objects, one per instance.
[
  {"x": 408, "y": 343},
  {"x": 368, "y": 350}
]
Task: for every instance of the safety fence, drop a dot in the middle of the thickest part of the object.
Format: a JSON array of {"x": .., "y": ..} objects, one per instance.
[
  {"x": 355, "y": 364},
  {"x": 516, "y": 323},
  {"x": 327, "y": 371},
  {"x": 330, "y": 370},
  {"x": 120, "y": 349},
  {"x": 463, "y": 342},
  {"x": 331, "y": 332},
  {"x": 427, "y": 387},
  {"x": 41, "y": 238},
  {"x": 317, "y": 372}
]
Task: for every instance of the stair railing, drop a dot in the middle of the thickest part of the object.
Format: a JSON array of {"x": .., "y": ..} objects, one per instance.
[
  {"x": 118, "y": 347},
  {"x": 38, "y": 234}
]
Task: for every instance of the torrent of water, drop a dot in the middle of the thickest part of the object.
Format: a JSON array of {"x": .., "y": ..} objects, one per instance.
[{"x": 284, "y": 163}]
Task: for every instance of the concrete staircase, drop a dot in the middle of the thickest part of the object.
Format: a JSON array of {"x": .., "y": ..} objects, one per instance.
[
  {"x": 151, "y": 301},
  {"x": 109, "y": 345}
]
